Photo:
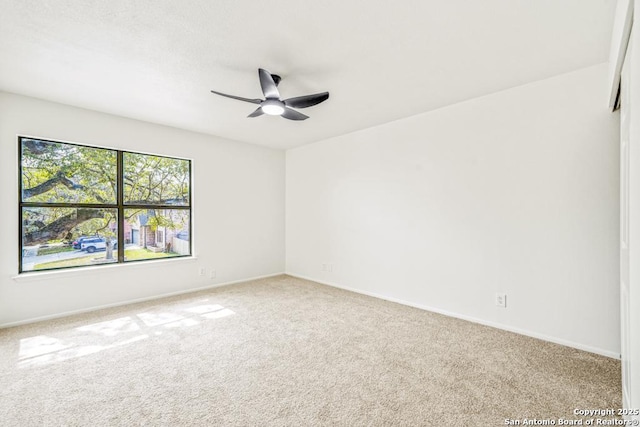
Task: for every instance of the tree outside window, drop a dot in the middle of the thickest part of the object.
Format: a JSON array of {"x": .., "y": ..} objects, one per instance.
[{"x": 82, "y": 206}]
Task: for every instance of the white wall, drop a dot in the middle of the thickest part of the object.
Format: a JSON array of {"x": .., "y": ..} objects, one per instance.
[
  {"x": 238, "y": 211},
  {"x": 515, "y": 192}
]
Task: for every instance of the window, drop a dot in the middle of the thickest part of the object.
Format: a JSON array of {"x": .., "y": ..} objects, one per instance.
[{"x": 82, "y": 205}]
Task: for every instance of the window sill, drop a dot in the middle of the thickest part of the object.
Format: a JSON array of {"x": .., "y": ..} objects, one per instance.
[{"x": 83, "y": 271}]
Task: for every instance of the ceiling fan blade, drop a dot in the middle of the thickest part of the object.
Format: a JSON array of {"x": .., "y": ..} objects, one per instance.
[
  {"x": 293, "y": 114},
  {"x": 307, "y": 100},
  {"x": 239, "y": 98},
  {"x": 269, "y": 87},
  {"x": 256, "y": 113}
]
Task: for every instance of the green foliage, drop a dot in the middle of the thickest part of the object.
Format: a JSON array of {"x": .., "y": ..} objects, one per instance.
[
  {"x": 54, "y": 249},
  {"x": 35, "y": 220},
  {"x": 73, "y": 262},
  {"x": 155, "y": 180},
  {"x": 105, "y": 227},
  {"x": 173, "y": 219},
  {"x": 89, "y": 174},
  {"x": 136, "y": 254}
]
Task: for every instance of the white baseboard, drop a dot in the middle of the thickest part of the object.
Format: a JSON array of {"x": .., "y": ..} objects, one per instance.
[
  {"x": 504, "y": 327},
  {"x": 131, "y": 301}
]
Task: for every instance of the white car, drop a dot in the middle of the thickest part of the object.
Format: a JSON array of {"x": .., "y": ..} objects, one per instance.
[{"x": 96, "y": 244}]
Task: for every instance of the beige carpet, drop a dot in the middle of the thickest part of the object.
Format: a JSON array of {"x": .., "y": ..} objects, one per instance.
[{"x": 288, "y": 352}]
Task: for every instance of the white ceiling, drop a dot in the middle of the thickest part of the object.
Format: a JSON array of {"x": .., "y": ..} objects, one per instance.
[{"x": 156, "y": 60}]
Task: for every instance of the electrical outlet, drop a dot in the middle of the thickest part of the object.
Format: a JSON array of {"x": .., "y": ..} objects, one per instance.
[
  {"x": 324, "y": 267},
  {"x": 202, "y": 271},
  {"x": 501, "y": 299},
  {"x": 212, "y": 275},
  {"x": 330, "y": 268}
]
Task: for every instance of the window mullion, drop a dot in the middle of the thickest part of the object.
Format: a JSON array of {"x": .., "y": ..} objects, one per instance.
[{"x": 120, "y": 200}]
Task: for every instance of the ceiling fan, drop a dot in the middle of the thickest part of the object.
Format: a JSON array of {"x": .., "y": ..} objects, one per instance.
[{"x": 273, "y": 105}]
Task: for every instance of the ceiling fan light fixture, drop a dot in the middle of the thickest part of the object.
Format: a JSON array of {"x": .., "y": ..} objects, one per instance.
[{"x": 272, "y": 107}]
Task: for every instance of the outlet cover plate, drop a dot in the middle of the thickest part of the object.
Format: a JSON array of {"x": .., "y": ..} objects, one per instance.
[{"x": 501, "y": 299}]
